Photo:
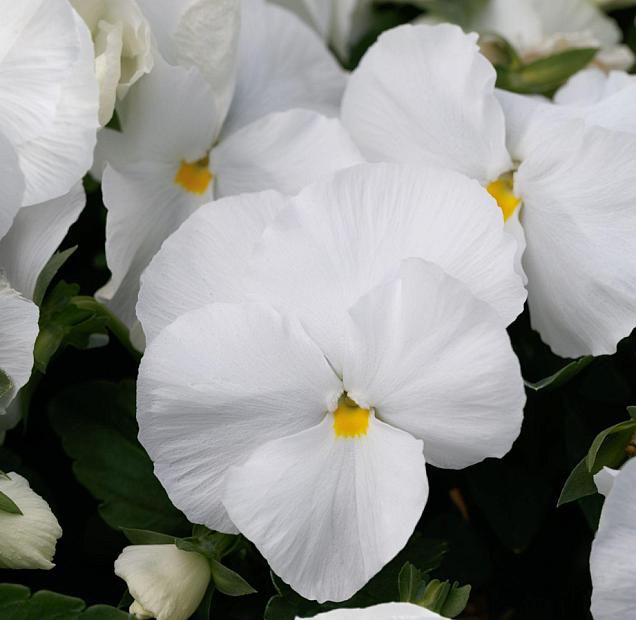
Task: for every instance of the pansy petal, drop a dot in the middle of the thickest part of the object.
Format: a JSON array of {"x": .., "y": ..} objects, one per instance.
[
  {"x": 579, "y": 222},
  {"x": 612, "y": 559},
  {"x": 12, "y": 184},
  {"x": 384, "y": 611},
  {"x": 435, "y": 362},
  {"x": 169, "y": 115},
  {"x": 350, "y": 506},
  {"x": 38, "y": 46},
  {"x": 362, "y": 222},
  {"x": 217, "y": 383},
  {"x": 202, "y": 34},
  {"x": 18, "y": 330},
  {"x": 283, "y": 64},
  {"x": 145, "y": 206},
  {"x": 592, "y": 85},
  {"x": 401, "y": 103},
  {"x": 54, "y": 161},
  {"x": 36, "y": 233},
  {"x": 204, "y": 260},
  {"x": 284, "y": 151}
]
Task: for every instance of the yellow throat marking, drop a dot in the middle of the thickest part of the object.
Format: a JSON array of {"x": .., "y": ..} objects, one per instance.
[
  {"x": 501, "y": 191},
  {"x": 350, "y": 420},
  {"x": 194, "y": 177}
]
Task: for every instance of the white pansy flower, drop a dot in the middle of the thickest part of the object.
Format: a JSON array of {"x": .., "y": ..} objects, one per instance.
[
  {"x": 27, "y": 540},
  {"x": 539, "y": 28},
  {"x": 283, "y": 422},
  {"x": 339, "y": 22},
  {"x": 176, "y": 153},
  {"x": 123, "y": 52},
  {"x": 166, "y": 582},
  {"x": 385, "y": 611},
  {"x": 48, "y": 97},
  {"x": 612, "y": 562},
  {"x": 604, "y": 480},
  {"x": 424, "y": 94}
]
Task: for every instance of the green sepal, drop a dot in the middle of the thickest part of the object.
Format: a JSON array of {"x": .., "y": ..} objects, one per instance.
[
  {"x": 147, "y": 537},
  {"x": 8, "y": 505},
  {"x": 50, "y": 270},
  {"x": 560, "y": 377},
  {"x": 445, "y": 598},
  {"x": 544, "y": 76},
  {"x": 229, "y": 582}
]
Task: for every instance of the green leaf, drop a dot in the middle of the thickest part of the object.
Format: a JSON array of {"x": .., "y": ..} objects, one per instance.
[
  {"x": 561, "y": 377},
  {"x": 8, "y": 505},
  {"x": 146, "y": 537},
  {"x": 228, "y": 582},
  {"x": 545, "y": 75},
  {"x": 5, "y": 383},
  {"x": 445, "y": 598},
  {"x": 580, "y": 483},
  {"x": 409, "y": 583},
  {"x": 96, "y": 422},
  {"x": 49, "y": 272},
  {"x": 17, "y": 603}
]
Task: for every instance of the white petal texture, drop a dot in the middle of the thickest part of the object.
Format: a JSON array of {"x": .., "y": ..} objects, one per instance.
[
  {"x": 27, "y": 540},
  {"x": 205, "y": 259},
  {"x": 436, "y": 362},
  {"x": 217, "y": 383},
  {"x": 122, "y": 42},
  {"x": 283, "y": 64},
  {"x": 423, "y": 94},
  {"x": 166, "y": 582},
  {"x": 347, "y": 509},
  {"x": 18, "y": 330},
  {"x": 36, "y": 233},
  {"x": 385, "y": 611},
  {"x": 48, "y": 75},
  {"x": 202, "y": 34},
  {"x": 579, "y": 222},
  {"x": 12, "y": 183},
  {"x": 284, "y": 151},
  {"x": 612, "y": 561},
  {"x": 361, "y": 223}
]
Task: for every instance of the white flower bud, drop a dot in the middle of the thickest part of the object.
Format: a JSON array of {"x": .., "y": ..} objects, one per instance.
[
  {"x": 123, "y": 47},
  {"x": 27, "y": 540},
  {"x": 166, "y": 582}
]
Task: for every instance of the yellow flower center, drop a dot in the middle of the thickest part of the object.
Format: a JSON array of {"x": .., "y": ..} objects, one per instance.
[
  {"x": 501, "y": 191},
  {"x": 194, "y": 177},
  {"x": 350, "y": 420}
]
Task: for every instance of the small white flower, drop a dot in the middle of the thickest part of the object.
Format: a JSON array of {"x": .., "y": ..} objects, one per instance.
[
  {"x": 612, "y": 561},
  {"x": 308, "y": 427},
  {"x": 565, "y": 181},
  {"x": 123, "y": 47},
  {"x": 178, "y": 153},
  {"x": 539, "y": 28},
  {"x": 27, "y": 540},
  {"x": 385, "y": 611},
  {"x": 166, "y": 582}
]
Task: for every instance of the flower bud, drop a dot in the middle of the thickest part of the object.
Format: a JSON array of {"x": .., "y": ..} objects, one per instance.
[
  {"x": 27, "y": 540},
  {"x": 166, "y": 582}
]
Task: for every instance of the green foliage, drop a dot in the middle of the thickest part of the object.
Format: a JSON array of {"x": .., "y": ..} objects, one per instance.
[
  {"x": 425, "y": 554},
  {"x": 17, "y": 603},
  {"x": 543, "y": 76},
  {"x": 610, "y": 448},
  {"x": 443, "y": 597},
  {"x": 96, "y": 422},
  {"x": 560, "y": 377}
]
